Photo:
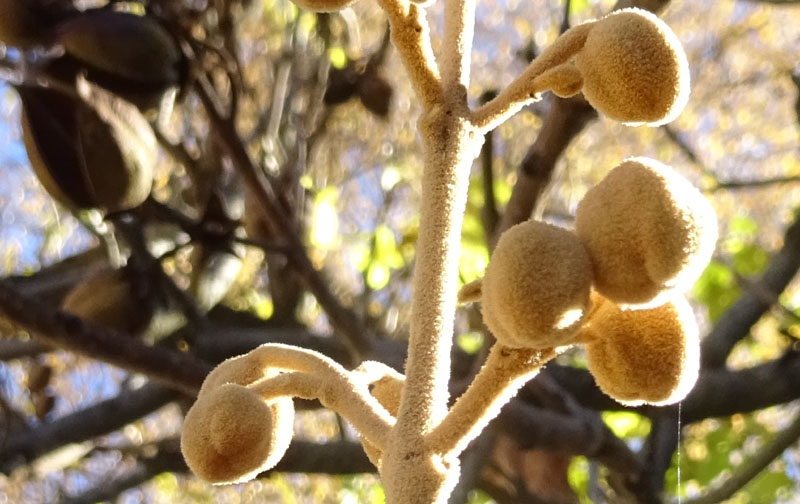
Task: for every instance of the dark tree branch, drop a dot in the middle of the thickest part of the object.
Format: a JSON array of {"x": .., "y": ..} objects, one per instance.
[
  {"x": 737, "y": 321},
  {"x": 344, "y": 320},
  {"x": 754, "y": 184},
  {"x": 566, "y": 119},
  {"x": 97, "y": 420},
  {"x": 336, "y": 457},
  {"x": 51, "y": 326}
]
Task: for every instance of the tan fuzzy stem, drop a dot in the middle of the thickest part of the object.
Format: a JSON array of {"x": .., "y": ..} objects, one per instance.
[
  {"x": 338, "y": 393},
  {"x": 411, "y": 37},
  {"x": 292, "y": 358},
  {"x": 471, "y": 292},
  {"x": 457, "y": 48},
  {"x": 450, "y": 147},
  {"x": 505, "y": 371},
  {"x": 523, "y": 89}
]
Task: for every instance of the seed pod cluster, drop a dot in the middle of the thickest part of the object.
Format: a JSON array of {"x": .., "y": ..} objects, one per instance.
[
  {"x": 94, "y": 152},
  {"x": 231, "y": 434}
]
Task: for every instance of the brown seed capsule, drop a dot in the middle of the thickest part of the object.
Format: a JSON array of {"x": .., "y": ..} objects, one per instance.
[
  {"x": 536, "y": 289},
  {"x": 28, "y": 23},
  {"x": 644, "y": 356},
  {"x": 132, "y": 56},
  {"x": 231, "y": 434},
  {"x": 108, "y": 299},
  {"x": 375, "y": 93},
  {"x": 648, "y": 231},
  {"x": 634, "y": 68},
  {"x": 99, "y": 152}
]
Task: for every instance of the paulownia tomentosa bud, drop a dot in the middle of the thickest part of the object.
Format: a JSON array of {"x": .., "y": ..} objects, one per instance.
[
  {"x": 634, "y": 68},
  {"x": 536, "y": 288},
  {"x": 96, "y": 152},
  {"x": 648, "y": 231},
  {"x": 231, "y": 434},
  {"x": 643, "y": 356},
  {"x": 133, "y": 56},
  {"x": 110, "y": 299}
]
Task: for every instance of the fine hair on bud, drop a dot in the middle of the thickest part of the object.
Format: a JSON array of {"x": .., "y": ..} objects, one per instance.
[
  {"x": 634, "y": 68},
  {"x": 644, "y": 356},
  {"x": 536, "y": 289},
  {"x": 648, "y": 230},
  {"x": 231, "y": 434}
]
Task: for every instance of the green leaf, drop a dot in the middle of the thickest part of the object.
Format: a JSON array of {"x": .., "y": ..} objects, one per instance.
[
  {"x": 626, "y": 424},
  {"x": 470, "y": 342},
  {"x": 717, "y": 289}
]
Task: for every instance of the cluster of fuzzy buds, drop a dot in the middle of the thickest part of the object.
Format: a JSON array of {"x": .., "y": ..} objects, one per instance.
[{"x": 643, "y": 235}]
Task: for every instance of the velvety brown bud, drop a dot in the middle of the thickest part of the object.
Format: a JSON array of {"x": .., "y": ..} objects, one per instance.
[
  {"x": 644, "y": 356},
  {"x": 648, "y": 231},
  {"x": 231, "y": 434},
  {"x": 536, "y": 289},
  {"x": 634, "y": 68}
]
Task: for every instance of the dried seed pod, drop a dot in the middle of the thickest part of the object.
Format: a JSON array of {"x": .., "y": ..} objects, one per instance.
[
  {"x": 99, "y": 152},
  {"x": 375, "y": 93},
  {"x": 644, "y": 356},
  {"x": 29, "y": 23},
  {"x": 231, "y": 434},
  {"x": 108, "y": 298},
  {"x": 132, "y": 56},
  {"x": 648, "y": 231},
  {"x": 536, "y": 288},
  {"x": 323, "y": 5},
  {"x": 634, "y": 68},
  {"x": 342, "y": 85},
  {"x": 19, "y": 25}
]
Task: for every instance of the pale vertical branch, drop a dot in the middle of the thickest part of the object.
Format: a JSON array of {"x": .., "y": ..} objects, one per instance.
[
  {"x": 412, "y": 38},
  {"x": 459, "y": 30}
]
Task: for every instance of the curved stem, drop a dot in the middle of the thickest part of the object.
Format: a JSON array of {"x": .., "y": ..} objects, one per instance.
[
  {"x": 337, "y": 392},
  {"x": 523, "y": 89},
  {"x": 411, "y": 37},
  {"x": 505, "y": 371}
]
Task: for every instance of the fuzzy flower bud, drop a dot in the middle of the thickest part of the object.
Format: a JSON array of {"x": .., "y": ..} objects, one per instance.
[
  {"x": 648, "y": 231},
  {"x": 231, "y": 434},
  {"x": 634, "y": 68},
  {"x": 536, "y": 288},
  {"x": 643, "y": 356}
]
